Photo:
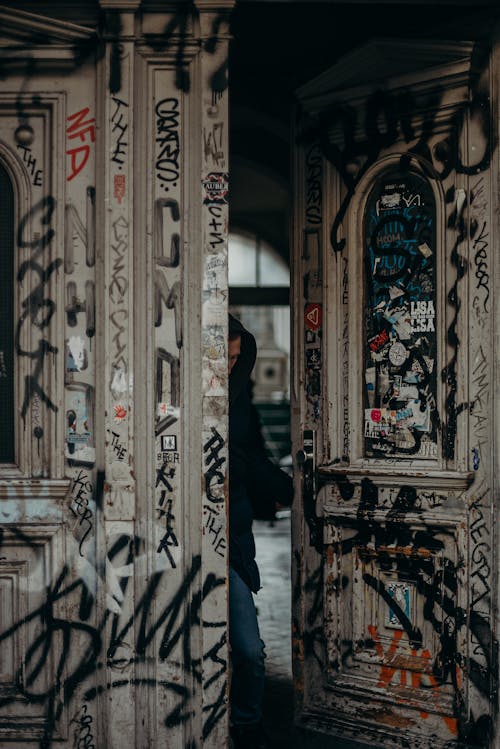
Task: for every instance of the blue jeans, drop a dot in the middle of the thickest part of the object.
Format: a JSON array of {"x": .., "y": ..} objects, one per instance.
[{"x": 247, "y": 654}]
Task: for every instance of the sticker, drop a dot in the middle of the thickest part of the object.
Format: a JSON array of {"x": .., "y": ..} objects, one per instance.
[
  {"x": 401, "y": 593},
  {"x": 425, "y": 249},
  {"x": 383, "y": 381},
  {"x": 76, "y": 354},
  {"x": 169, "y": 442},
  {"x": 404, "y": 392},
  {"x": 395, "y": 292},
  {"x": 388, "y": 202},
  {"x": 78, "y": 432},
  {"x": 475, "y": 458},
  {"x": 422, "y": 316},
  {"x": 378, "y": 341},
  {"x": 313, "y": 358},
  {"x": 120, "y": 413},
  {"x": 313, "y": 316},
  {"x": 213, "y": 309},
  {"x": 120, "y": 383},
  {"x": 400, "y": 321},
  {"x": 310, "y": 336},
  {"x": 215, "y": 272},
  {"x": 397, "y": 354},
  {"x": 421, "y": 416},
  {"x": 370, "y": 379},
  {"x": 120, "y": 185},
  {"x": 165, "y": 409},
  {"x": 216, "y": 186},
  {"x": 168, "y": 457},
  {"x": 313, "y": 386},
  {"x": 214, "y": 377}
]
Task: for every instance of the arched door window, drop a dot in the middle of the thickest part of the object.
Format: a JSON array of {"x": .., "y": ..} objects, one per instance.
[
  {"x": 7, "y": 448},
  {"x": 400, "y": 340}
]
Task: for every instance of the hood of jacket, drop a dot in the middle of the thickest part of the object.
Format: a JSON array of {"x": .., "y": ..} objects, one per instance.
[{"x": 240, "y": 374}]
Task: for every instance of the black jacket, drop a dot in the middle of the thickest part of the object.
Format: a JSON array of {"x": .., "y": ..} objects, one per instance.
[{"x": 252, "y": 476}]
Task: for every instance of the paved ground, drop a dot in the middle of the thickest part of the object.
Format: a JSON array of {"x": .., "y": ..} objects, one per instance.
[{"x": 274, "y": 609}]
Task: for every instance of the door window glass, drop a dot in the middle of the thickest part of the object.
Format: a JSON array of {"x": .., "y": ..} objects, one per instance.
[{"x": 400, "y": 343}]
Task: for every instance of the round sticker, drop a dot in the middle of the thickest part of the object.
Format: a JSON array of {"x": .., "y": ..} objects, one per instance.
[{"x": 397, "y": 354}]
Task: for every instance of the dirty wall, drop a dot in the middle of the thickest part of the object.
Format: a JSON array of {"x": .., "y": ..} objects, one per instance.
[
  {"x": 113, "y": 173},
  {"x": 395, "y": 563}
]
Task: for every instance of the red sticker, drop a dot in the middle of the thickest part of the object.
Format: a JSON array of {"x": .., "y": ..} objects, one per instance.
[
  {"x": 119, "y": 180},
  {"x": 376, "y": 415},
  {"x": 313, "y": 316}
]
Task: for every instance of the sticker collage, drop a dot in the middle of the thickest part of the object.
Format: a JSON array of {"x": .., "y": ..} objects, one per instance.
[{"x": 400, "y": 343}]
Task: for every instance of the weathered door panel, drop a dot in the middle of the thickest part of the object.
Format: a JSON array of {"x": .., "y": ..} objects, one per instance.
[
  {"x": 394, "y": 634},
  {"x": 113, "y": 538}
]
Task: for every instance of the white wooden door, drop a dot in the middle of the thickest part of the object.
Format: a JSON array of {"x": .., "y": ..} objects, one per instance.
[{"x": 395, "y": 557}]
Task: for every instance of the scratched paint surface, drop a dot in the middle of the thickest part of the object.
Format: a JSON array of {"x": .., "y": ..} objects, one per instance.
[
  {"x": 394, "y": 635},
  {"x": 114, "y": 595}
]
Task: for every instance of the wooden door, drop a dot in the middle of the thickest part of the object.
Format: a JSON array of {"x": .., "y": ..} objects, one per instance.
[{"x": 394, "y": 637}]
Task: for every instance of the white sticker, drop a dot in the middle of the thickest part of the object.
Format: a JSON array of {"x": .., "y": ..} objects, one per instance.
[
  {"x": 165, "y": 409},
  {"x": 397, "y": 354}
]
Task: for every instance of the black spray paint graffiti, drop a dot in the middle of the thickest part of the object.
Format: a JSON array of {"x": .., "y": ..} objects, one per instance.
[
  {"x": 172, "y": 259},
  {"x": 216, "y": 234},
  {"x": 176, "y": 36},
  {"x": 449, "y": 373},
  {"x": 215, "y": 529},
  {"x": 119, "y": 129},
  {"x": 31, "y": 163},
  {"x": 394, "y": 546},
  {"x": 395, "y": 112},
  {"x": 119, "y": 449},
  {"x": 58, "y": 641},
  {"x": 479, "y": 249},
  {"x": 170, "y": 538},
  {"x": 314, "y": 192},
  {"x": 81, "y": 494},
  {"x": 164, "y": 476},
  {"x": 74, "y": 306},
  {"x": 170, "y": 296},
  {"x": 168, "y": 142},
  {"x": 37, "y": 308},
  {"x": 480, "y": 415},
  {"x": 93, "y": 48},
  {"x": 83, "y": 738},
  {"x": 76, "y": 229},
  {"x": 213, "y": 144},
  {"x": 214, "y": 478}
]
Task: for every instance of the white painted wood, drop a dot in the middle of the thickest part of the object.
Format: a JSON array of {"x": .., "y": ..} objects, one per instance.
[
  {"x": 113, "y": 610},
  {"x": 417, "y": 525}
]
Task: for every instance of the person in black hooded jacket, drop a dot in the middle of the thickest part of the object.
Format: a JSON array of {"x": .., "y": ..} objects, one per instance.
[{"x": 251, "y": 474}]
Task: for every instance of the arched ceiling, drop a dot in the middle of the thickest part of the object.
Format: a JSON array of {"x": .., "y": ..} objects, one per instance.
[{"x": 278, "y": 46}]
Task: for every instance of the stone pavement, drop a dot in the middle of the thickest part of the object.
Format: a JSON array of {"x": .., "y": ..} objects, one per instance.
[{"x": 274, "y": 610}]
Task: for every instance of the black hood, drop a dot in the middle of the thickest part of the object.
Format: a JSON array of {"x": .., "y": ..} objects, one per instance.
[{"x": 240, "y": 374}]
